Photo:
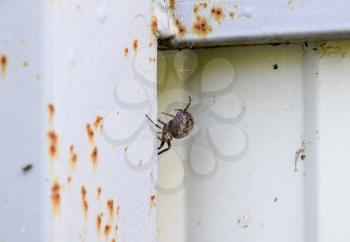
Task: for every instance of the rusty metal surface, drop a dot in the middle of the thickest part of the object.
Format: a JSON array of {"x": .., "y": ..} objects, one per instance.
[
  {"x": 77, "y": 79},
  {"x": 236, "y": 22}
]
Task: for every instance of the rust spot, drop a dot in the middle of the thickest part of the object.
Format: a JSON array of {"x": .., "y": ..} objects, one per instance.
[
  {"x": 154, "y": 25},
  {"x": 152, "y": 201},
  {"x": 201, "y": 27},
  {"x": 53, "y": 144},
  {"x": 99, "y": 222},
  {"x": 98, "y": 122},
  {"x": 203, "y": 5},
  {"x": 25, "y": 63},
  {"x": 94, "y": 157},
  {"x": 217, "y": 13},
  {"x": 3, "y": 65},
  {"x": 73, "y": 157},
  {"x": 181, "y": 29},
  {"x": 126, "y": 53},
  {"x": 113, "y": 240},
  {"x": 99, "y": 191},
  {"x": 107, "y": 230},
  {"x": 152, "y": 59},
  {"x": 90, "y": 132},
  {"x": 135, "y": 44},
  {"x": 195, "y": 8},
  {"x": 84, "y": 200},
  {"x": 232, "y": 14},
  {"x": 110, "y": 206},
  {"x": 51, "y": 111},
  {"x": 55, "y": 197}
]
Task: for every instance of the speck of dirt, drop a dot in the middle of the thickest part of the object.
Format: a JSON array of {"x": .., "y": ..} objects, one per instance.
[
  {"x": 232, "y": 14},
  {"x": 152, "y": 201},
  {"x": 275, "y": 200},
  {"x": 25, "y": 63},
  {"x": 27, "y": 168},
  {"x": 275, "y": 66}
]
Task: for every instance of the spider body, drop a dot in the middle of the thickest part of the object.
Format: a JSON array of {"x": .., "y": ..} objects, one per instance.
[{"x": 178, "y": 127}]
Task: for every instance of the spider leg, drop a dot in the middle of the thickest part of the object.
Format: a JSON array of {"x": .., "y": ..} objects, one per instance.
[
  {"x": 153, "y": 122},
  {"x": 161, "y": 144},
  {"x": 166, "y": 149},
  {"x": 173, "y": 116},
  {"x": 162, "y": 122},
  {"x": 189, "y": 103}
]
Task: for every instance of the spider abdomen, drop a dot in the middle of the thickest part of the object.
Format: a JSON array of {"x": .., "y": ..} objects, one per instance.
[{"x": 181, "y": 125}]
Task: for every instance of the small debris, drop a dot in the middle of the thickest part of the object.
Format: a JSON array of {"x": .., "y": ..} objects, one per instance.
[
  {"x": 275, "y": 66},
  {"x": 275, "y": 200},
  {"x": 299, "y": 154},
  {"x": 27, "y": 168}
]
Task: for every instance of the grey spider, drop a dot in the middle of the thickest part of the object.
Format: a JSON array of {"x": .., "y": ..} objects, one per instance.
[{"x": 178, "y": 127}]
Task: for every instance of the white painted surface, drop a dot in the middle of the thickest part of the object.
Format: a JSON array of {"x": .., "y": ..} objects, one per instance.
[
  {"x": 251, "y": 119},
  {"x": 262, "y": 21},
  {"x": 76, "y": 64}
]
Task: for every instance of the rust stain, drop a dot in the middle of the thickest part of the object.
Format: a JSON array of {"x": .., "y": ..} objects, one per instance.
[
  {"x": 113, "y": 240},
  {"x": 195, "y": 9},
  {"x": 99, "y": 222},
  {"x": 53, "y": 144},
  {"x": 110, "y": 207},
  {"x": 203, "y": 5},
  {"x": 154, "y": 25},
  {"x": 107, "y": 230},
  {"x": 152, "y": 201},
  {"x": 181, "y": 29},
  {"x": 25, "y": 63},
  {"x": 84, "y": 200},
  {"x": 69, "y": 179},
  {"x": 73, "y": 157},
  {"x": 232, "y": 14},
  {"x": 3, "y": 65},
  {"x": 90, "y": 133},
  {"x": 152, "y": 59},
  {"x": 99, "y": 191},
  {"x": 51, "y": 111},
  {"x": 55, "y": 197},
  {"x": 94, "y": 157},
  {"x": 98, "y": 122},
  {"x": 201, "y": 27},
  {"x": 135, "y": 44},
  {"x": 126, "y": 53},
  {"x": 217, "y": 13}
]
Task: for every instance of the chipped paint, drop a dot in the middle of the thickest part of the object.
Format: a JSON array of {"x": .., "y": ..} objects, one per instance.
[{"x": 3, "y": 65}]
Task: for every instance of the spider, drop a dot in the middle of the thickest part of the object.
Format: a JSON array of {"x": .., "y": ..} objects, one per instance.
[{"x": 178, "y": 127}]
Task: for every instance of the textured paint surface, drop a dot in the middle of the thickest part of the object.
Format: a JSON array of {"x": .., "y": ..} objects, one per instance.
[
  {"x": 222, "y": 185},
  {"x": 71, "y": 99}
]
